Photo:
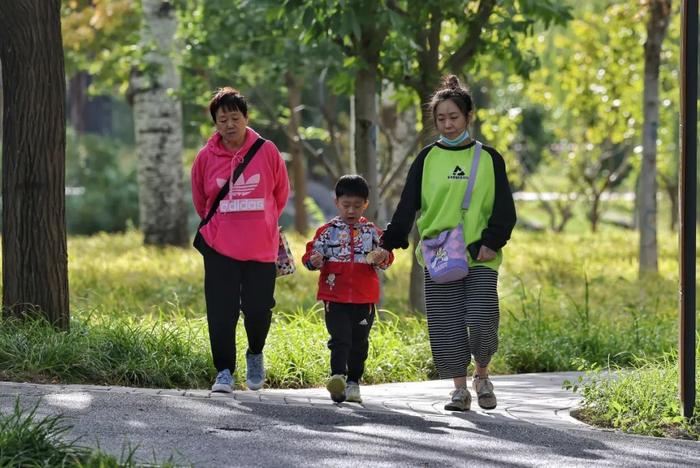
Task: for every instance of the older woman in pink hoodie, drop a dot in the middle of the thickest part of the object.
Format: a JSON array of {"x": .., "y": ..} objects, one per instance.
[{"x": 241, "y": 238}]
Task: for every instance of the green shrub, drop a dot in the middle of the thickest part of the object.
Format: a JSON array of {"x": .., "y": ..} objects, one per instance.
[{"x": 106, "y": 172}]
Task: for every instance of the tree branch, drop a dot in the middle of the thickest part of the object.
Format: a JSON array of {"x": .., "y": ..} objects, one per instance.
[
  {"x": 389, "y": 180},
  {"x": 347, "y": 51},
  {"x": 473, "y": 38},
  {"x": 328, "y": 114},
  {"x": 315, "y": 153},
  {"x": 393, "y": 6}
]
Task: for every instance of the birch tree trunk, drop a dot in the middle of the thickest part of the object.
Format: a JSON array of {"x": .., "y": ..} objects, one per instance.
[
  {"x": 158, "y": 130},
  {"x": 34, "y": 252},
  {"x": 659, "y": 15}
]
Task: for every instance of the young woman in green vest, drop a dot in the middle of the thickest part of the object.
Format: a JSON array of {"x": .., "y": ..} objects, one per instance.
[{"x": 463, "y": 315}]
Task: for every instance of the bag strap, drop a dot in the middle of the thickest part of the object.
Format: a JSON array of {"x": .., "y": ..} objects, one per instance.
[
  {"x": 236, "y": 174},
  {"x": 472, "y": 176}
]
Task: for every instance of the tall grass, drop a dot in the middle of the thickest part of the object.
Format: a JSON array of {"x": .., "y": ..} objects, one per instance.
[
  {"x": 642, "y": 399},
  {"x": 174, "y": 353},
  {"x": 138, "y": 315}
]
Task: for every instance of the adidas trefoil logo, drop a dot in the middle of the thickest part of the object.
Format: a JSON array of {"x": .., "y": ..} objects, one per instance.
[{"x": 458, "y": 173}]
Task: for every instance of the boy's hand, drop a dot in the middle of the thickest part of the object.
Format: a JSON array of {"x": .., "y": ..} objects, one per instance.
[{"x": 316, "y": 259}]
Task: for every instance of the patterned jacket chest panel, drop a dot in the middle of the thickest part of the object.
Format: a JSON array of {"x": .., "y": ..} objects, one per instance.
[{"x": 338, "y": 243}]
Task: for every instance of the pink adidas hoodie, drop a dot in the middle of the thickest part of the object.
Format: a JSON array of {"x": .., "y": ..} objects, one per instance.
[{"x": 244, "y": 226}]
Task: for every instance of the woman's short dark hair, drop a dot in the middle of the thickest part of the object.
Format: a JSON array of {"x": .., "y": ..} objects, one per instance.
[
  {"x": 451, "y": 89},
  {"x": 229, "y": 99},
  {"x": 352, "y": 185}
]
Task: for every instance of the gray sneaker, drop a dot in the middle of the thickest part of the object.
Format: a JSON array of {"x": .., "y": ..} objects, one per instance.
[
  {"x": 352, "y": 392},
  {"x": 461, "y": 400},
  {"x": 255, "y": 371},
  {"x": 336, "y": 387},
  {"x": 484, "y": 392},
  {"x": 223, "y": 382}
]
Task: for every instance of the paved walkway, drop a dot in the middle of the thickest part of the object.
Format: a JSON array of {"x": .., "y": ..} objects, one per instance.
[
  {"x": 532, "y": 398},
  {"x": 397, "y": 424}
]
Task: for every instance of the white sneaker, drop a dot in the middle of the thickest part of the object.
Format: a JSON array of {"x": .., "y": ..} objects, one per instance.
[
  {"x": 484, "y": 392},
  {"x": 336, "y": 387},
  {"x": 223, "y": 383},
  {"x": 255, "y": 371},
  {"x": 352, "y": 392},
  {"x": 461, "y": 400}
]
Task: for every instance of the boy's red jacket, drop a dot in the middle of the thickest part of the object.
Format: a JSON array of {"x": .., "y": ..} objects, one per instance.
[{"x": 345, "y": 275}]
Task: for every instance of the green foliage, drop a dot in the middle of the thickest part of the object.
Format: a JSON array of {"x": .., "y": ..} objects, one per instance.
[
  {"x": 640, "y": 400},
  {"x": 592, "y": 95},
  {"x": 100, "y": 37},
  {"x": 314, "y": 211},
  {"x": 106, "y": 172},
  {"x": 264, "y": 56}
]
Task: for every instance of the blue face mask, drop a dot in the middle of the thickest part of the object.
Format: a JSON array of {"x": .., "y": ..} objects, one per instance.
[{"x": 460, "y": 139}]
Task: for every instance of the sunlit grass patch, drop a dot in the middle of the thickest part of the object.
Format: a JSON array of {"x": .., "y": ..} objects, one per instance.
[
  {"x": 642, "y": 399},
  {"x": 139, "y": 312}
]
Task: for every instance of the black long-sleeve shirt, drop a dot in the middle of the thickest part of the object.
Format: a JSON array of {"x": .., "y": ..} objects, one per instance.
[{"x": 500, "y": 223}]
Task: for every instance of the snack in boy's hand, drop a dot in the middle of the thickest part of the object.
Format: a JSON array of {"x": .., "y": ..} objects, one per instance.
[{"x": 372, "y": 257}]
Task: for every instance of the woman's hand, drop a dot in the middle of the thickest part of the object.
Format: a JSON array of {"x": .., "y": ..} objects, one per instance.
[
  {"x": 485, "y": 254},
  {"x": 316, "y": 259},
  {"x": 378, "y": 256}
]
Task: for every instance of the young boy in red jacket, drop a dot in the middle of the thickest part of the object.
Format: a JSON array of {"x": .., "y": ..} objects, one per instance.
[{"x": 344, "y": 250}]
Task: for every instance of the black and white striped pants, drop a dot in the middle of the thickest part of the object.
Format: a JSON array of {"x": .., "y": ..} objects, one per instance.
[{"x": 463, "y": 318}]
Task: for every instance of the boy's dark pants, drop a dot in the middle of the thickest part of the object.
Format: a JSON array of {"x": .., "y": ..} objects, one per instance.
[
  {"x": 229, "y": 287},
  {"x": 349, "y": 326}
]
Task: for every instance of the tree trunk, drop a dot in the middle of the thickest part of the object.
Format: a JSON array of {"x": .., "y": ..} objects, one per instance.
[
  {"x": 366, "y": 133},
  {"x": 671, "y": 183},
  {"x": 294, "y": 86},
  {"x": 34, "y": 252},
  {"x": 659, "y": 14},
  {"x": 77, "y": 101},
  {"x": 416, "y": 294},
  {"x": 417, "y": 291},
  {"x": 672, "y": 191},
  {"x": 594, "y": 213},
  {"x": 158, "y": 130},
  {"x": 1, "y": 100}
]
